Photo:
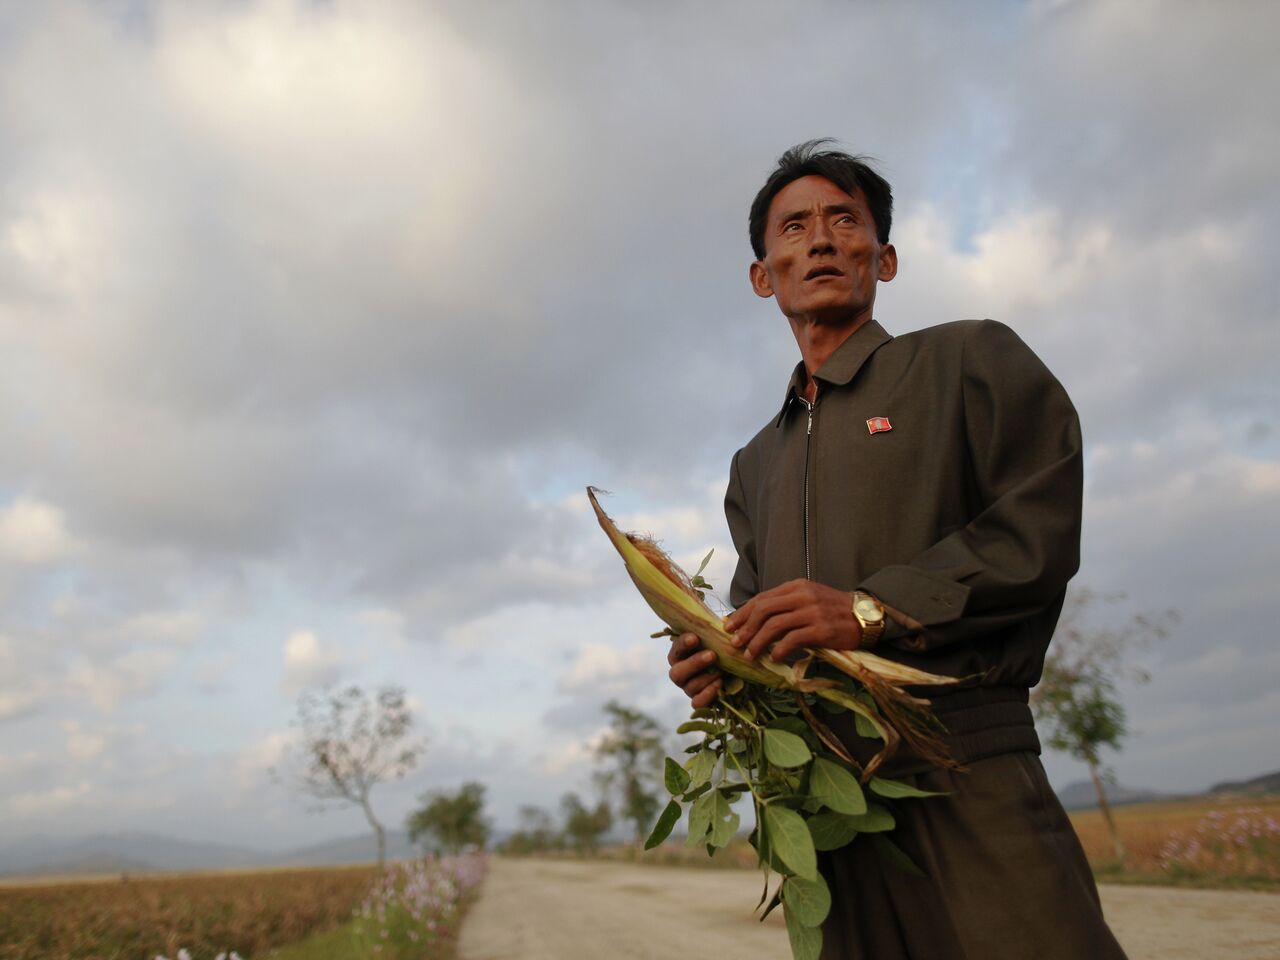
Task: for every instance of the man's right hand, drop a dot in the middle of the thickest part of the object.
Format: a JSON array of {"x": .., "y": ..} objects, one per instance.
[{"x": 693, "y": 670}]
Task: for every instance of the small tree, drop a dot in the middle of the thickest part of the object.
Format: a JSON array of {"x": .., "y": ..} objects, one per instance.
[
  {"x": 584, "y": 826},
  {"x": 1077, "y": 699},
  {"x": 455, "y": 820},
  {"x": 351, "y": 743},
  {"x": 537, "y": 832},
  {"x": 632, "y": 752}
]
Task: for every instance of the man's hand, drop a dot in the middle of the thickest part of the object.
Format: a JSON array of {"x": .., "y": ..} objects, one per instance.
[
  {"x": 797, "y": 614},
  {"x": 693, "y": 670}
]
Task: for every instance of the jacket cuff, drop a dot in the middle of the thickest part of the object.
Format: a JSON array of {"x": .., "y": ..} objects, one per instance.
[{"x": 927, "y": 599}]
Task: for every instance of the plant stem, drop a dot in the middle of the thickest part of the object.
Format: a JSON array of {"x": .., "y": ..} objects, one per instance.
[
  {"x": 745, "y": 779},
  {"x": 728, "y": 706}
]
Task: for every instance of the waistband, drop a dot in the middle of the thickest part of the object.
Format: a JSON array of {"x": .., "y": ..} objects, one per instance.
[{"x": 980, "y": 722}]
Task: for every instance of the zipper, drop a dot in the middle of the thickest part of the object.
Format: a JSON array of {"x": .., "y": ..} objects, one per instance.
[{"x": 808, "y": 436}]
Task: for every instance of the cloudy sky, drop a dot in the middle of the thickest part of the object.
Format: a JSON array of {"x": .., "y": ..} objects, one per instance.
[{"x": 316, "y": 318}]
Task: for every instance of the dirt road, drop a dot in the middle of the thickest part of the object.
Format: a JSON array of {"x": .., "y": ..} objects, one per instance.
[{"x": 558, "y": 910}]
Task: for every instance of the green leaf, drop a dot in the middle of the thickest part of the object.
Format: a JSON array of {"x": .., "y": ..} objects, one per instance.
[
  {"x": 836, "y": 787},
  {"x": 831, "y": 831},
  {"x": 865, "y": 727},
  {"x": 790, "y": 840},
  {"x": 785, "y": 749},
  {"x": 795, "y": 725},
  {"x": 893, "y": 789},
  {"x": 809, "y": 900},
  {"x": 696, "y": 792},
  {"x": 890, "y": 852},
  {"x": 669, "y": 817},
  {"x": 876, "y": 820},
  {"x": 701, "y": 726},
  {"x": 831, "y": 707},
  {"x": 764, "y": 852},
  {"x": 700, "y": 766},
  {"x": 773, "y": 902},
  {"x": 705, "y": 560},
  {"x": 806, "y": 942},
  {"x": 724, "y": 822},
  {"x": 700, "y": 818},
  {"x": 675, "y": 777}
]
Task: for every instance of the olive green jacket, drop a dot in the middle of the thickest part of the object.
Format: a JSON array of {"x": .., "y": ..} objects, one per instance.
[{"x": 963, "y": 516}]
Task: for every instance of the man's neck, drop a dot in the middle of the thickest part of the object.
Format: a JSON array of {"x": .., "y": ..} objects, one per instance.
[{"x": 818, "y": 341}]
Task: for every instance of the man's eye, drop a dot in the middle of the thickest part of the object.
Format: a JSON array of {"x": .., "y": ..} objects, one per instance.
[{"x": 788, "y": 226}]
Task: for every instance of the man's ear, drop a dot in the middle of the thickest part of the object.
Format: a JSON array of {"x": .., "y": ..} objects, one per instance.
[
  {"x": 760, "y": 279},
  {"x": 888, "y": 263}
]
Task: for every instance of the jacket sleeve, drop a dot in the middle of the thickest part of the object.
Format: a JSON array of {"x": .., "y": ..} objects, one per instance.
[
  {"x": 1014, "y": 558},
  {"x": 746, "y": 577}
]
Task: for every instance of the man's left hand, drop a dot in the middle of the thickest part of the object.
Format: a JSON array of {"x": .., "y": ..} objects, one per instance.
[{"x": 797, "y": 614}]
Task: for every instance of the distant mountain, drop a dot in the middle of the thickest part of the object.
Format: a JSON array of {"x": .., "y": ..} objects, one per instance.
[
  {"x": 44, "y": 854},
  {"x": 94, "y": 863},
  {"x": 1267, "y": 783},
  {"x": 142, "y": 852},
  {"x": 1082, "y": 796},
  {"x": 361, "y": 849}
]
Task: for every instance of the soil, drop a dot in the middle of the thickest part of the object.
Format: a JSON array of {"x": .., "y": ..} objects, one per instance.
[{"x": 567, "y": 910}]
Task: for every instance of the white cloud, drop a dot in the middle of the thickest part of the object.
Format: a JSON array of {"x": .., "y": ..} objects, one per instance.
[
  {"x": 570, "y": 754},
  {"x": 83, "y": 745},
  {"x": 602, "y": 667},
  {"x": 55, "y": 800},
  {"x": 129, "y": 676},
  {"x": 33, "y": 531},
  {"x": 308, "y": 662}
]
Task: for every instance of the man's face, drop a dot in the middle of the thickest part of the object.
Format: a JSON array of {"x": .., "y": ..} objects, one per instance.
[{"x": 822, "y": 259}]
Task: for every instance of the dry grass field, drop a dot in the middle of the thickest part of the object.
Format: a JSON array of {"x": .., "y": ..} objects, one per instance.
[
  {"x": 1226, "y": 841},
  {"x": 142, "y": 917}
]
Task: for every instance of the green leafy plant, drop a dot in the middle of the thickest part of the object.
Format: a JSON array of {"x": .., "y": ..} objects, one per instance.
[{"x": 765, "y": 739}]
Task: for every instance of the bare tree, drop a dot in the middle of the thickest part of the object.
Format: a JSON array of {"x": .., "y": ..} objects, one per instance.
[
  {"x": 1077, "y": 698},
  {"x": 350, "y": 743}
]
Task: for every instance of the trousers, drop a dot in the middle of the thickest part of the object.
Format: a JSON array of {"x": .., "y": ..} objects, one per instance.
[{"x": 1005, "y": 877}]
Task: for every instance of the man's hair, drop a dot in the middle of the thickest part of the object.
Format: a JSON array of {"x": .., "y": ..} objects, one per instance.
[{"x": 849, "y": 173}]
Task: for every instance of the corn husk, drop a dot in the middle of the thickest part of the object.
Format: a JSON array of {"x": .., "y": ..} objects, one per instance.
[{"x": 899, "y": 717}]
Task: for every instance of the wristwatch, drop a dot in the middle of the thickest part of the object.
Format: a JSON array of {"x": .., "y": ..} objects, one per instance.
[{"x": 869, "y": 613}]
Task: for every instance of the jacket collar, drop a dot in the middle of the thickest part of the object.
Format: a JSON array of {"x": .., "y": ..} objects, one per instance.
[{"x": 841, "y": 367}]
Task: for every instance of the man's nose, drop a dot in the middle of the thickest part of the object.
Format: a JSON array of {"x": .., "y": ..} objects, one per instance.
[{"x": 820, "y": 239}]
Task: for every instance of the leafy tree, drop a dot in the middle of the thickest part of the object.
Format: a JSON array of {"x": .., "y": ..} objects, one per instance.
[
  {"x": 537, "y": 832},
  {"x": 455, "y": 820},
  {"x": 1078, "y": 701},
  {"x": 584, "y": 826},
  {"x": 350, "y": 743},
  {"x": 633, "y": 755}
]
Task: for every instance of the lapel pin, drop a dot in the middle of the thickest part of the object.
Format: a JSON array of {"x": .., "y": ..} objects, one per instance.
[{"x": 878, "y": 425}]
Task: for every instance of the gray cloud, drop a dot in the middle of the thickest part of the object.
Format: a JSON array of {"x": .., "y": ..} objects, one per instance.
[{"x": 350, "y": 317}]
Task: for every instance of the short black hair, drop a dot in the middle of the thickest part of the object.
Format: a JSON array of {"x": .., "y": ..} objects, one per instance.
[{"x": 846, "y": 171}]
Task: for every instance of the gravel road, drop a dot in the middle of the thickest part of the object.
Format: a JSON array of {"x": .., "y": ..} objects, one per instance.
[{"x": 562, "y": 910}]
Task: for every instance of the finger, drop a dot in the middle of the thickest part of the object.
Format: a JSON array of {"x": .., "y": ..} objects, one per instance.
[
  {"x": 739, "y": 616},
  {"x": 682, "y": 647},
  {"x": 701, "y": 682},
  {"x": 775, "y": 629},
  {"x": 708, "y": 696},
  {"x": 793, "y": 642},
  {"x": 684, "y": 670},
  {"x": 761, "y": 610}
]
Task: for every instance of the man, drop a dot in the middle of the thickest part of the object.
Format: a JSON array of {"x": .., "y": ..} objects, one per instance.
[{"x": 919, "y": 495}]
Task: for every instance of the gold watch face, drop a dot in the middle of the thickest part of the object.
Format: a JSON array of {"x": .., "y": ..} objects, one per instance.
[{"x": 868, "y": 610}]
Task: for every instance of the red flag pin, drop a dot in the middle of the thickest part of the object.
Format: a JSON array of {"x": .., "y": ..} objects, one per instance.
[{"x": 878, "y": 425}]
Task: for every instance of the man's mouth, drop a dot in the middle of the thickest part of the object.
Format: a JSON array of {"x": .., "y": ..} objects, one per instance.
[{"x": 822, "y": 272}]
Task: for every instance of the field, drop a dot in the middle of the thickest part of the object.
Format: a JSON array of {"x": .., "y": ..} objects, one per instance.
[
  {"x": 340, "y": 912},
  {"x": 1230, "y": 841}
]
